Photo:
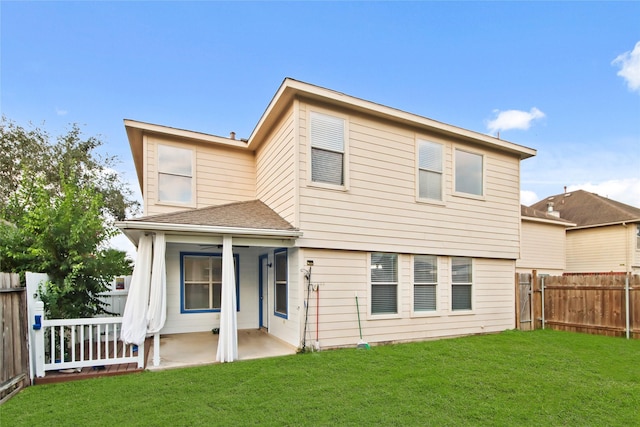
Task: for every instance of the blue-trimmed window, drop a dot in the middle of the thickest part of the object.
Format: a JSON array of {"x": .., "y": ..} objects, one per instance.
[
  {"x": 201, "y": 282},
  {"x": 281, "y": 283}
]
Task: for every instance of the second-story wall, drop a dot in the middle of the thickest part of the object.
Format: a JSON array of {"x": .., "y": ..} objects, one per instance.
[
  {"x": 378, "y": 210},
  {"x": 221, "y": 175},
  {"x": 275, "y": 168}
]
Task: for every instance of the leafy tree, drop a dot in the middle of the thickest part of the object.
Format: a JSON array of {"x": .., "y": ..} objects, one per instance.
[
  {"x": 65, "y": 237},
  {"x": 71, "y": 154},
  {"x": 58, "y": 202}
]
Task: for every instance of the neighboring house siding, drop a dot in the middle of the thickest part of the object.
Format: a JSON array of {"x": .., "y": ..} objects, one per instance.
[
  {"x": 222, "y": 175},
  {"x": 275, "y": 166},
  {"x": 542, "y": 248},
  {"x": 340, "y": 274},
  {"x": 597, "y": 250},
  {"x": 379, "y": 211}
]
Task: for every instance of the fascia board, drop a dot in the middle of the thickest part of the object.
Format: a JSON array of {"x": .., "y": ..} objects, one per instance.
[{"x": 206, "y": 229}]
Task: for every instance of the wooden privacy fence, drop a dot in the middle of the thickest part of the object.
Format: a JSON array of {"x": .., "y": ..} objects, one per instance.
[
  {"x": 14, "y": 355},
  {"x": 595, "y": 304}
]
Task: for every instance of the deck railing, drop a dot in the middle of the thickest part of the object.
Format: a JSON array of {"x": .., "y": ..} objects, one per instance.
[{"x": 78, "y": 343}]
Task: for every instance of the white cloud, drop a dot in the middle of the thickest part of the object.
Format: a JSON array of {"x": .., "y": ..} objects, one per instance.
[
  {"x": 528, "y": 197},
  {"x": 629, "y": 63},
  {"x": 61, "y": 112},
  {"x": 513, "y": 119},
  {"x": 621, "y": 190}
]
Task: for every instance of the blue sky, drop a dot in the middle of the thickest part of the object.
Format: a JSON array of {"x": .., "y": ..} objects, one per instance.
[{"x": 560, "y": 77}]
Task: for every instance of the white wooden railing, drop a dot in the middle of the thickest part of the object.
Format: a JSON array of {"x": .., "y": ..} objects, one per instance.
[{"x": 79, "y": 343}]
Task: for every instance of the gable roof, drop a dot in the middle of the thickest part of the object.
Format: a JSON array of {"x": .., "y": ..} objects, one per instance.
[
  {"x": 291, "y": 89},
  {"x": 534, "y": 215},
  {"x": 589, "y": 209}
]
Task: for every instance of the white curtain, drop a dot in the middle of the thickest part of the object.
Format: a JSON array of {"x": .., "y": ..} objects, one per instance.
[
  {"x": 134, "y": 319},
  {"x": 228, "y": 338},
  {"x": 157, "y": 313}
]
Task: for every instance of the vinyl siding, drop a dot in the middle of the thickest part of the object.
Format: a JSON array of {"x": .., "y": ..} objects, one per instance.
[
  {"x": 275, "y": 169},
  {"x": 340, "y": 274},
  {"x": 222, "y": 176},
  {"x": 597, "y": 250},
  {"x": 542, "y": 248},
  {"x": 379, "y": 211}
]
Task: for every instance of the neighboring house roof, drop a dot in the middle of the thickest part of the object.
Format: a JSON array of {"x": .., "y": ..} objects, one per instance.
[
  {"x": 291, "y": 90},
  {"x": 588, "y": 209},
  {"x": 531, "y": 214}
]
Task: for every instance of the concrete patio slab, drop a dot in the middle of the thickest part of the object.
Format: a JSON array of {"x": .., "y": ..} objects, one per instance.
[{"x": 199, "y": 348}]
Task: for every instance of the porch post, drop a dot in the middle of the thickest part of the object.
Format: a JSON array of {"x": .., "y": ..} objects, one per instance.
[
  {"x": 38, "y": 330},
  {"x": 228, "y": 337}
]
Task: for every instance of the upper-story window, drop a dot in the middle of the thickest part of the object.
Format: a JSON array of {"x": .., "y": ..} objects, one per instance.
[
  {"x": 327, "y": 149},
  {"x": 175, "y": 174},
  {"x": 469, "y": 173},
  {"x": 637, "y": 236},
  {"x": 429, "y": 170}
]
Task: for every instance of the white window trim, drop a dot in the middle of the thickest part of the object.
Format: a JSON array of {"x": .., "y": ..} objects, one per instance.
[
  {"x": 453, "y": 312},
  {"x": 439, "y": 287},
  {"x": 370, "y": 314},
  {"x": 484, "y": 174},
  {"x": 192, "y": 203},
  {"x": 345, "y": 158},
  {"x": 419, "y": 199}
]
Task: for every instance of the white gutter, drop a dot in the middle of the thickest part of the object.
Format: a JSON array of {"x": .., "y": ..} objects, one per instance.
[
  {"x": 632, "y": 221},
  {"x": 208, "y": 229},
  {"x": 548, "y": 221}
]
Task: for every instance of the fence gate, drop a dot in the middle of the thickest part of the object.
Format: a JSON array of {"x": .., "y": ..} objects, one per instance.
[
  {"x": 14, "y": 355},
  {"x": 523, "y": 302}
]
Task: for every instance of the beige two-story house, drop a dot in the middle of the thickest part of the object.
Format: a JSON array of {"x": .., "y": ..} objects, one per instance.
[{"x": 330, "y": 197}]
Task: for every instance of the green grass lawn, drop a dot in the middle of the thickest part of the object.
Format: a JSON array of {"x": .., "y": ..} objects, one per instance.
[{"x": 541, "y": 378}]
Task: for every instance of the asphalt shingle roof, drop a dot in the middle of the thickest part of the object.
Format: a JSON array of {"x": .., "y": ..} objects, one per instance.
[
  {"x": 585, "y": 208},
  {"x": 534, "y": 213},
  {"x": 251, "y": 214}
]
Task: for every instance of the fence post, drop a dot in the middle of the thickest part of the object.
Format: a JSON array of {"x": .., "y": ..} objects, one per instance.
[
  {"x": 38, "y": 333},
  {"x": 517, "y": 280},
  {"x": 535, "y": 300},
  {"x": 542, "y": 298},
  {"x": 626, "y": 303}
]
